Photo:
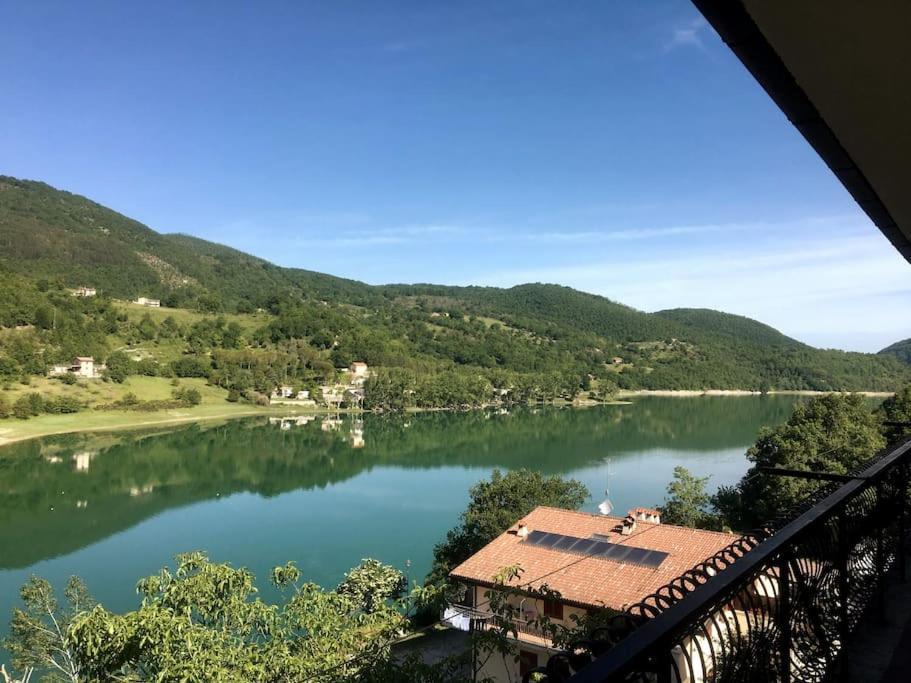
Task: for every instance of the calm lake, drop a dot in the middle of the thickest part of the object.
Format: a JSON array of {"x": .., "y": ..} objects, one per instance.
[{"x": 114, "y": 507}]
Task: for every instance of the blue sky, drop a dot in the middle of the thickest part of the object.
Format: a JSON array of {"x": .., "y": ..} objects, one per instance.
[{"x": 616, "y": 147}]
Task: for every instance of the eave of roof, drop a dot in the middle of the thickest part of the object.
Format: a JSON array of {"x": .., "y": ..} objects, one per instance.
[{"x": 740, "y": 32}]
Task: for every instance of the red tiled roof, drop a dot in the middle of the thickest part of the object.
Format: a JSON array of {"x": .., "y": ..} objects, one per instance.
[
  {"x": 585, "y": 580},
  {"x": 644, "y": 511}
]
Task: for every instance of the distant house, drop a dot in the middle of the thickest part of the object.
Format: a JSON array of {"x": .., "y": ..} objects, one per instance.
[
  {"x": 616, "y": 360},
  {"x": 284, "y": 391},
  {"x": 84, "y": 366},
  {"x": 84, "y": 291},
  {"x": 332, "y": 395},
  {"x": 359, "y": 372},
  {"x": 145, "y": 301},
  {"x": 303, "y": 395}
]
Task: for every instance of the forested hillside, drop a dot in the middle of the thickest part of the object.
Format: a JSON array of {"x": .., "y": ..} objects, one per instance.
[
  {"x": 246, "y": 324},
  {"x": 900, "y": 350}
]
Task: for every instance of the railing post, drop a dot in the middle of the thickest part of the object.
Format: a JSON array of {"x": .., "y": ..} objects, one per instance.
[
  {"x": 843, "y": 560},
  {"x": 880, "y": 559},
  {"x": 902, "y": 502},
  {"x": 784, "y": 617}
]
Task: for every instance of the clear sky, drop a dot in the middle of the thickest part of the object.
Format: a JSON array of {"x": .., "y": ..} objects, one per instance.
[{"x": 616, "y": 147}]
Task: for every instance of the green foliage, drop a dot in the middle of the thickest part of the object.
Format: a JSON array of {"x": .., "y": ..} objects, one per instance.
[
  {"x": 191, "y": 366},
  {"x": 372, "y": 585},
  {"x": 688, "y": 501},
  {"x": 38, "y": 635},
  {"x": 833, "y": 433},
  {"x": 204, "y": 621},
  {"x": 496, "y": 505},
  {"x": 28, "y": 405},
  {"x": 897, "y": 408},
  {"x": 189, "y": 396},
  {"x": 119, "y": 366},
  {"x": 900, "y": 350}
]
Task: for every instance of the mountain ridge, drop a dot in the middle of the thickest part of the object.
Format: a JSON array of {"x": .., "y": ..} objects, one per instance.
[{"x": 52, "y": 236}]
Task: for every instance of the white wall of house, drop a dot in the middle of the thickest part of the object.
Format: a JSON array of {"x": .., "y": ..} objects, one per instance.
[{"x": 506, "y": 670}]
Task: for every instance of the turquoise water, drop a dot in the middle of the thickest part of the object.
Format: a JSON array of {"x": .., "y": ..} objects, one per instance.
[{"x": 112, "y": 508}]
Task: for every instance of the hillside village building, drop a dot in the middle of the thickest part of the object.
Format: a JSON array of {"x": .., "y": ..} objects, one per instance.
[
  {"x": 594, "y": 562},
  {"x": 359, "y": 372},
  {"x": 82, "y": 366},
  {"x": 145, "y": 301},
  {"x": 84, "y": 291}
]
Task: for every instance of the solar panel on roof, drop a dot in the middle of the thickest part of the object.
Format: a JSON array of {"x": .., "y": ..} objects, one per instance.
[
  {"x": 636, "y": 555},
  {"x": 618, "y": 553},
  {"x": 582, "y": 546},
  {"x": 597, "y": 548},
  {"x": 564, "y": 542},
  {"x": 654, "y": 558}
]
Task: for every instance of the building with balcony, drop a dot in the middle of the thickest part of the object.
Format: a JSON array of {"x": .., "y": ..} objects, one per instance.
[{"x": 595, "y": 563}]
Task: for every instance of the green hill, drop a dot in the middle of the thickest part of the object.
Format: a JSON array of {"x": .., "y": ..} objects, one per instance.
[
  {"x": 727, "y": 325},
  {"x": 900, "y": 350},
  {"x": 558, "y": 339}
]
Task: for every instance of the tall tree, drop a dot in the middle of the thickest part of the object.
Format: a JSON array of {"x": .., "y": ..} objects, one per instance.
[
  {"x": 833, "y": 433},
  {"x": 688, "y": 501},
  {"x": 897, "y": 409},
  {"x": 496, "y": 505}
]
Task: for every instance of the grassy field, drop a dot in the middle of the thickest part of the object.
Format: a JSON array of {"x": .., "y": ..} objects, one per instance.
[
  {"x": 97, "y": 392},
  {"x": 98, "y": 420},
  {"x": 135, "y": 312}
]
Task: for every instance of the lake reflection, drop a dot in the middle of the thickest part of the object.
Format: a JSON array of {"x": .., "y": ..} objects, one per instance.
[{"x": 327, "y": 492}]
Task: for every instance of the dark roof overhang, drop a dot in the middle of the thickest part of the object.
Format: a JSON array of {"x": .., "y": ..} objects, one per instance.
[{"x": 840, "y": 70}]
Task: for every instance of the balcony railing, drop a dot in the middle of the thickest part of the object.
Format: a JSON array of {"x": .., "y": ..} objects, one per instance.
[
  {"x": 776, "y": 605},
  {"x": 486, "y": 620}
]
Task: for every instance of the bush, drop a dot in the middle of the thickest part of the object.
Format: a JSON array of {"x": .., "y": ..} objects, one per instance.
[
  {"x": 188, "y": 396},
  {"x": 119, "y": 366},
  {"x": 22, "y": 408},
  {"x": 191, "y": 366},
  {"x": 62, "y": 405},
  {"x": 69, "y": 379},
  {"x": 5, "y": 410},
  {"x": 233, "y": 397}
]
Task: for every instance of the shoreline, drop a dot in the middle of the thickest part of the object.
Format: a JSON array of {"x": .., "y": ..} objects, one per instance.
[
  {"x": 688, "y": 393},
  {"x": 151, "y": 419},
  {"x": 75, "y": 423}
]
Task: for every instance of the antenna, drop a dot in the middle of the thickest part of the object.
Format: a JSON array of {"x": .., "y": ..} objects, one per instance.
[{"x": 606, "y": 506}]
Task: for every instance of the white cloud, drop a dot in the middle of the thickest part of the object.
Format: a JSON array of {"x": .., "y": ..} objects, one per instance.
[{"x": 688, "y": 35}]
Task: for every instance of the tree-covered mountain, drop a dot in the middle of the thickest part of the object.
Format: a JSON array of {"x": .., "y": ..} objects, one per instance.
[
  {"x": 900, "y": 350},
  {"x": 534, "y": 339},
  {"x": 734, "y": 327}
]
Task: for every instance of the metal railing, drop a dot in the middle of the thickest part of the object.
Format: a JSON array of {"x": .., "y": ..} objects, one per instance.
[{"x": 777, "y": 605}]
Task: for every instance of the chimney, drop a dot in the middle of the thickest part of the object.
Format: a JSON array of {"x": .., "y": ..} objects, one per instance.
[
  {"x": 522, "y": 532},
  {"x": 629, "y": 525},
  {"x": 645, "y": 515}
]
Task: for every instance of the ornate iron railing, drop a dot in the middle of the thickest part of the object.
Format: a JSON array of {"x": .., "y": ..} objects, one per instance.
[{"x": 776, "y": 605}]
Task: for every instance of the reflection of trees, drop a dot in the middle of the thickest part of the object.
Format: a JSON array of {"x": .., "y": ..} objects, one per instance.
[{"x": 50, "y": 506}]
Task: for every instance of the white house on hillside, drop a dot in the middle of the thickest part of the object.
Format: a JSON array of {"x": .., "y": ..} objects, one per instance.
[
  {"x": 359, "y": 372},
  {"x": 84, "y": 291},
  {"x": 145, "y": 301}
]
